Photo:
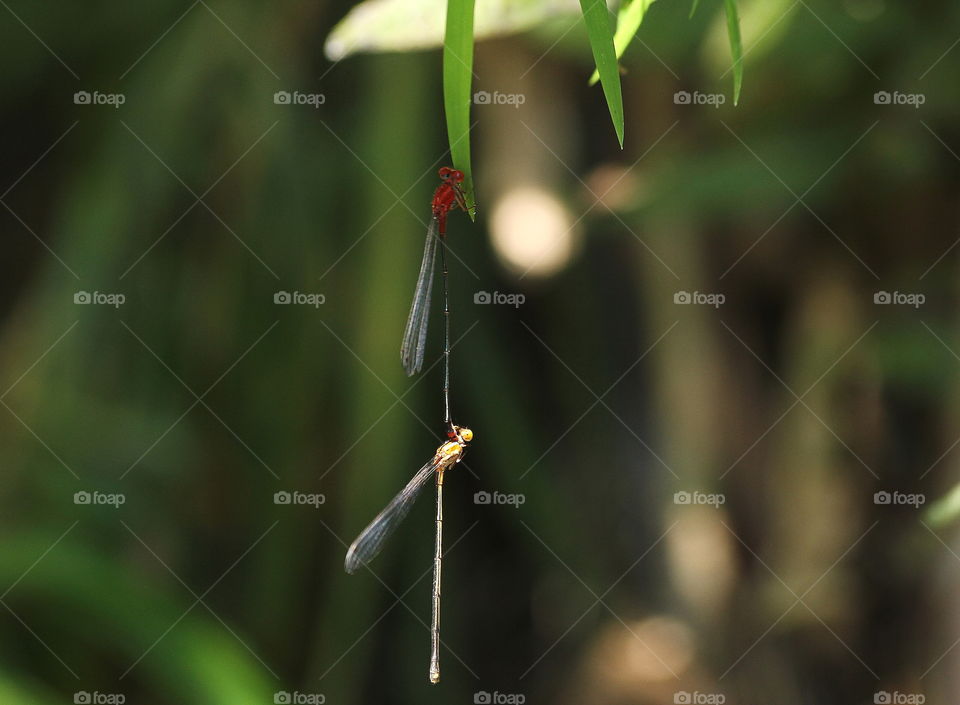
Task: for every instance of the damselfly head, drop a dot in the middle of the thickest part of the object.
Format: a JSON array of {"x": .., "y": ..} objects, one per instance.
[
  {"x": 460, "y": 434},
  {"x": 448, "y": 174}
]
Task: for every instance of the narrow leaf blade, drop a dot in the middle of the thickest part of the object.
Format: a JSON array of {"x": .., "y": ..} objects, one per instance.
[
  {"x": 736, "y": 47},
  {"x": 597, "y": 20},
  {"x": 457, "y": 84}
]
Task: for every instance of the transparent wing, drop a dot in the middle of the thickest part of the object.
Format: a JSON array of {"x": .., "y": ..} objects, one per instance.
[
  {"x": 415, "y": 334},
  {"x": 368, "y": 544}
]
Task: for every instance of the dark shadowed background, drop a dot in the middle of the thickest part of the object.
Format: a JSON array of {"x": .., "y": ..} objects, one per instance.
[{"x": 713, "y": 377}]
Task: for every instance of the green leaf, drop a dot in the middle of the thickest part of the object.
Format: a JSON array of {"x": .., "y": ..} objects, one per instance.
[
  {"x": 693, "y": 8},
  {"x": 597, "y": 19},
  {"x": 736, "y": 47},
  {"x": 457, "y": 83},
  {"x": 628, "y": 23}
]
